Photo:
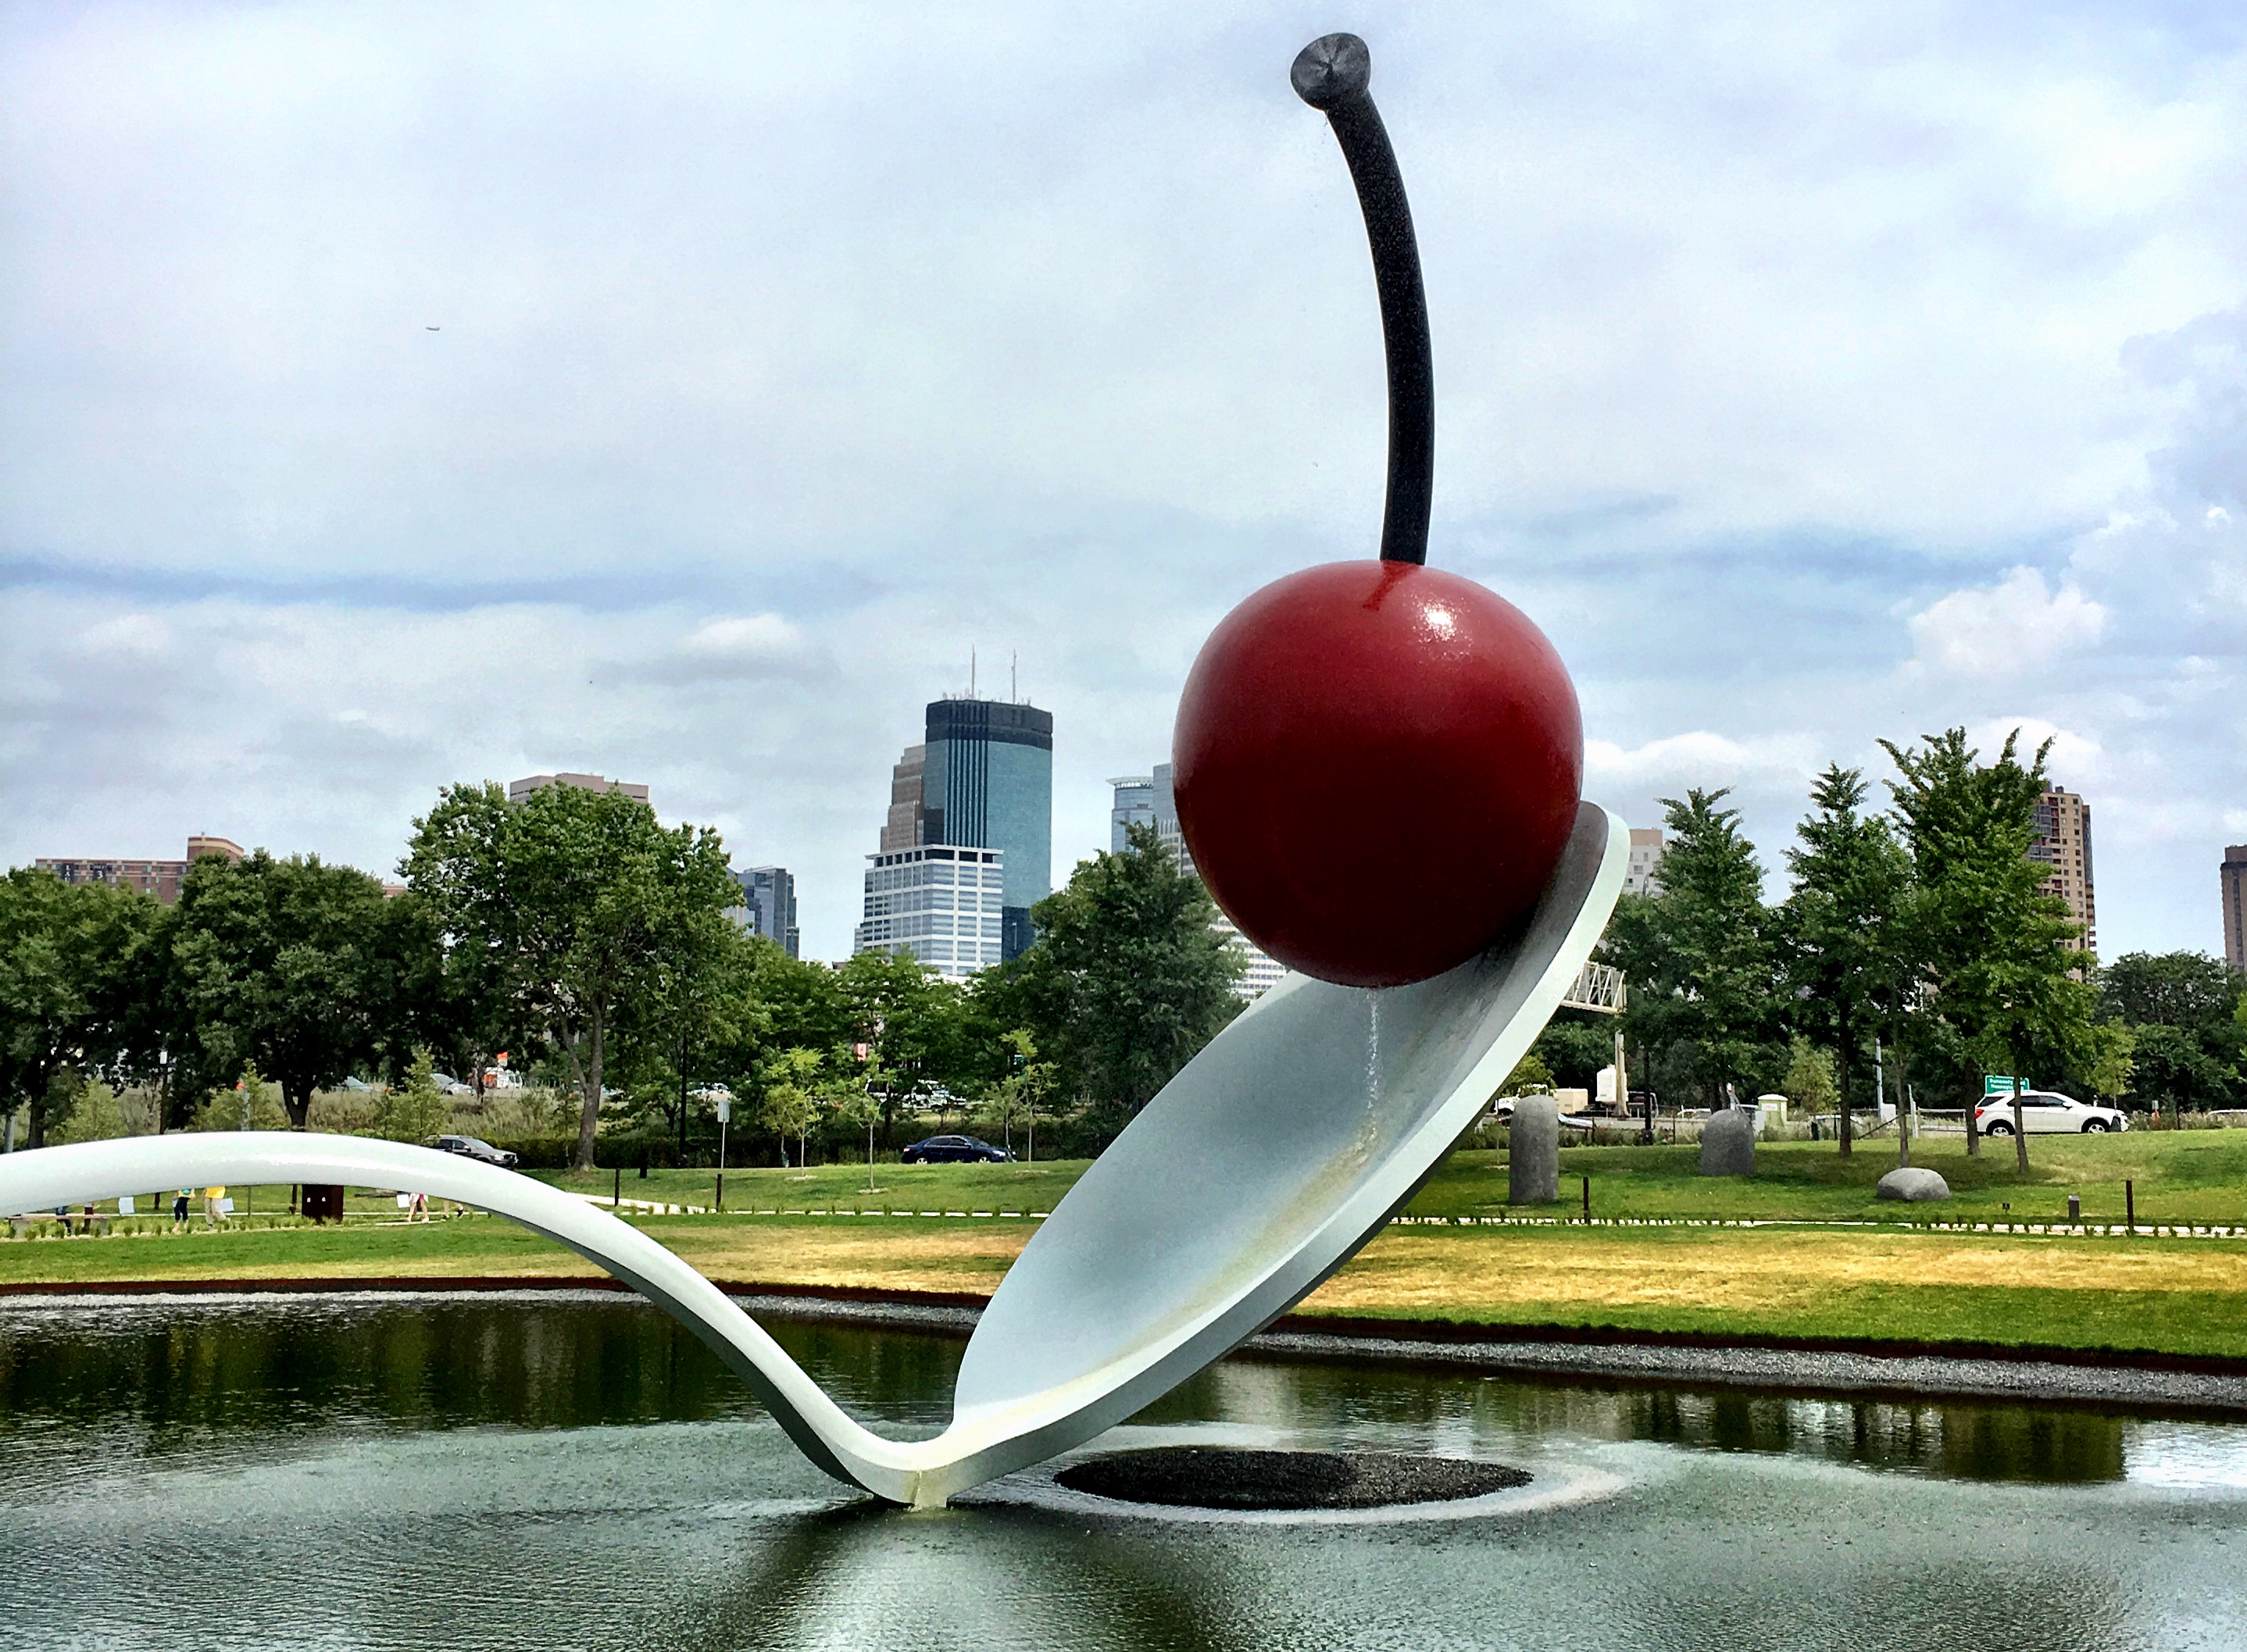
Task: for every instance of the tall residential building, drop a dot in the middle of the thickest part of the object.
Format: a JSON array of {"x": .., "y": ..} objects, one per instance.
[
  {"x": 159, "y": 877},
  {"x": 768, "y": 905},
  {"x": 2232, "y": 880},
  {"x": 1147, "y": 800},
  {"x": 519, "y": 789},
  {"x": 945, "y": 906},
  {"x": 1642, "y": 875},
  {"x": 2063, "y": 842}
]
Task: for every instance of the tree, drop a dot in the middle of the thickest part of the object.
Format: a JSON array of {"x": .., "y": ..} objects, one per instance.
[
  {"x": 1838, "y": 928},
  {"x": 248, "y": 1106},
  {"x": 2180, "y": 1012},
  {"x": 792, "y": 1082},
  {"x": 1810, "y": 1077},
  {"x": 1127, "y": 979},
  {"x": 68, "y": 953},
  {"x": 1573, "y": 1051},
  {"x": 1699, "y": 952},
  {"x": 1530, "y": 1076},
  {"x": 416, "y": 1109},
  {"x": 279, "y": 963},
  {"x": 574, "y": 904},
  {"x": 1990, "y": 948}
]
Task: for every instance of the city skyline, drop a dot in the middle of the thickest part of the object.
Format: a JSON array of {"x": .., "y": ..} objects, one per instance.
[{"x": 1789, "y": 447}]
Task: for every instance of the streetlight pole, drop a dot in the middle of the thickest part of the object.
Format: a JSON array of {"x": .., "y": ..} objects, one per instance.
[{"x": 724, "y": 1113}]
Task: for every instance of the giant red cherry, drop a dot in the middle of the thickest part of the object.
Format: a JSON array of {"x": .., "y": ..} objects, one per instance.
[{"x": 1378, "y": 764}]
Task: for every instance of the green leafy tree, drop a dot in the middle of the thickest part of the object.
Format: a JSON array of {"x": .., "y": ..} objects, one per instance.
[
  {"x": 795, "y": 1086},
  {"x": 1127, "y": 979},
  {"x": 574, "y": 904},
  {"x": 279, "y": 963},
  {"x": 1994, "y": 963},
  {"x": 1530, "y": 1076},
  {"x": 416, "y": 1109},
  {"x": 1839, "y": 928},
  {"x": 1014, "y": 1100},
  {"x": 1699, "y": 953},
  {"x": 2180, "y": 1011},
  {"x": 251, "y": 1104},
  {"x": 69, "y": 957},
  {"x": 912, "y": 1023},
  {"x": 1810, "y": 1081},
  {"x": 1573, "y": 1051}
]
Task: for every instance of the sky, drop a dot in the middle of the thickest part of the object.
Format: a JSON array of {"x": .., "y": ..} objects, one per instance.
[{"x": 398, "y": 394}]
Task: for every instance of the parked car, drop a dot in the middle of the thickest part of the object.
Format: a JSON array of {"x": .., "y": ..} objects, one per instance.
[
  {"x": 954, "y": 1150},
  {"x": 470, "y": 1147},
  {"x": 2047, "y": 1113},
  {"x": 448, "y": 1085}
]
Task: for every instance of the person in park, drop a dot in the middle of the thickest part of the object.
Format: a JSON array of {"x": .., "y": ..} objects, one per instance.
[{"x": 211, "y": 1197}]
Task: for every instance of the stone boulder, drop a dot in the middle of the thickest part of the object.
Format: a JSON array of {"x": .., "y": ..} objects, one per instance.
[
  {"x": 1913, "y": 1185},
  {"x": 1728, "y": 1143},
  {"x": 1533, "y": 1154}
]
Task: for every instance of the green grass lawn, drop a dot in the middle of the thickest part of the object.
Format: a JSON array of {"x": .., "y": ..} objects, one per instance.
[
  {"x": 2181, "y": 1176},
  {"x": 1885, "y": 1281},
  {"x": 983, "y": 1187}
]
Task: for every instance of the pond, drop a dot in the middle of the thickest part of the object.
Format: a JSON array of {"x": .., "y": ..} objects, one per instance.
[{"x": 541, "y": 1471}]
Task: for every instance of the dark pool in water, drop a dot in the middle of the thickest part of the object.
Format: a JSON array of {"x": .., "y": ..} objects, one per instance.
[{"x": 348, "y": 1471}]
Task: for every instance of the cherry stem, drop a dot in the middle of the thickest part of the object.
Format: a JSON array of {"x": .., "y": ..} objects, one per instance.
[{"x": 1331, "y": 74}]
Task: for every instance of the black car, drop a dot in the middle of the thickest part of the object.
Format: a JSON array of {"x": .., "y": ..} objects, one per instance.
[
  {"x": 470, "y": 1147},
  {"x": 954, "y": 1150}
]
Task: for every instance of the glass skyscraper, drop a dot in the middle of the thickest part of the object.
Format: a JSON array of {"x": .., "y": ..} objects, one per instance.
[
  {"x": 987, "y": 782},
  {"x": 967, "y": 848}
]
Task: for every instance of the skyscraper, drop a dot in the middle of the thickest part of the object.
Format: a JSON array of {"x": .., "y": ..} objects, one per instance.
[
  {"x": 2063, "y": 842},
  {"x": 2232, "y": 880},
  {"x": 981, "y": 780},
  {"x": 768, "y": 905},
  {"x": 987, "y": 782}
]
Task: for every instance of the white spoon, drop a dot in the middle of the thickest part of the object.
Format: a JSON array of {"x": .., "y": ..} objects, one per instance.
[{"x": 1261, "y": 1168}]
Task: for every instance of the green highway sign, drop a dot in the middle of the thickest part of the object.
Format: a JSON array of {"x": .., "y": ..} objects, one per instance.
[{"x": 1999, "y": 1083}]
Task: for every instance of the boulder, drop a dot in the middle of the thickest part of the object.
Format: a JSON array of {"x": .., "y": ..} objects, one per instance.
[
  {"x": 1728, "y": 1143},
  {"x": 1533, "y": 1156},
  {"x": 1913, "y": 1185}
]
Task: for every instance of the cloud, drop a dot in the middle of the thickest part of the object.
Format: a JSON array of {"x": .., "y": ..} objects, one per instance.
[
  {"x": 1997, "y": 630},
  {"x": 783, "y": 361}
]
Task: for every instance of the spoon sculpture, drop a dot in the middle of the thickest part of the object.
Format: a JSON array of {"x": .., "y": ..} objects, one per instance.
[{"x": 1262, "y": 1167}]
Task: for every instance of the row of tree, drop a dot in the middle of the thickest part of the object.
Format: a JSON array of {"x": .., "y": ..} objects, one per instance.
[
  {"x": 1921, "y": 931},
  {"x": 592, "y": 946}
]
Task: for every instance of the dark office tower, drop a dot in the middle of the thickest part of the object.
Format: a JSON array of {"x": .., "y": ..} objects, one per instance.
[
  {"x": 987, "y": 783},
  {"x": 768, "y": 905}
]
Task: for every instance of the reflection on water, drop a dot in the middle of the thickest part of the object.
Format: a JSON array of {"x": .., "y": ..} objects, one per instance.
[{"x": 484, "y": 1473}]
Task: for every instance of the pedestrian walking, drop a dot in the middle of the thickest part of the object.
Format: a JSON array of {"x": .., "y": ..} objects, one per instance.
[
  {"x": 211, "y": 1212},
  {"x": 180, "y": 1208}
]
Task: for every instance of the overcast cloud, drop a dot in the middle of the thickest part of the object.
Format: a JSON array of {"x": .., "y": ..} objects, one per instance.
[{"x": 396, "y": 394}]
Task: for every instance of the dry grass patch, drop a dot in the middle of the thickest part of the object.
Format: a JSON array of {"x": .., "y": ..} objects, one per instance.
[{"x": 1742, "y": 1272}]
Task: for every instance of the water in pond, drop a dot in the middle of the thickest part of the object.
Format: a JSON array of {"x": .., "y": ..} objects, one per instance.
[{"x": 514, "y": 1473}]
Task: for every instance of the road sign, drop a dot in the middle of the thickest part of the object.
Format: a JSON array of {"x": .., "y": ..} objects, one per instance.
[
  {"x": 725, "y": 1109},
  {"x": 2000, "y": 1084}
]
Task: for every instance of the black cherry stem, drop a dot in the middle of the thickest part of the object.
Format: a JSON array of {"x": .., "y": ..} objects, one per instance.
[{"x": 1331, "y": 74}]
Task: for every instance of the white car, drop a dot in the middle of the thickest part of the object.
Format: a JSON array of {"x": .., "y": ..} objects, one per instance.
[{"x": 2047, "y": 1113}]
